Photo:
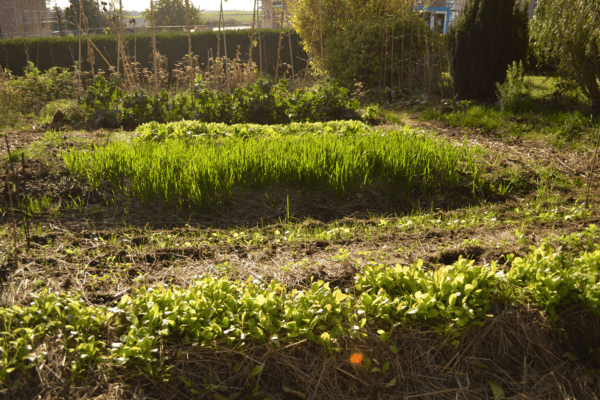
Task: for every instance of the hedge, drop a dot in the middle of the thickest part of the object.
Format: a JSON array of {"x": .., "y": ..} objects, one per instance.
[{"x": 48, "y": 52}]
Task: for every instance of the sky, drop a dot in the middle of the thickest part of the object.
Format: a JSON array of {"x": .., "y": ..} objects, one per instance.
[{"x": 141, "y": 5}]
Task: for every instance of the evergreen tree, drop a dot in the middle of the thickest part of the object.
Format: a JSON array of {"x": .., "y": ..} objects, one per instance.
[
  {"x": 173, "y": 13},
  {"x": 488, "y": 36},
  {"x": 58, "y": 23},
  {"x": 96, "y": 18}
]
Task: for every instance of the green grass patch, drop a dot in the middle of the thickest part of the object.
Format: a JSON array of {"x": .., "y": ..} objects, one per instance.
[{"x": 202, "y": 163}]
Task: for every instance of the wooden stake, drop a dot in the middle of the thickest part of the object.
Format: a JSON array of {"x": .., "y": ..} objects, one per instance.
[
  {"x": 402, "y": 56},
  {"x": 153, "y": 45},
  {"x": 290, "y": 40},
  {"x": 120, "y": 37},
  {"x": 587, "y": 195},
  {"x": 392, "y": 60},
  {"x": 252, "y": 36},
  {"x": 279, "y": 45},
  {"x": 440, "y": 61},
  {"x": 79, "y": 34},
  {"x": 321, "y": 30},
  {"x": 187, "y": 7},
  {"x": 226, "y": 60}
]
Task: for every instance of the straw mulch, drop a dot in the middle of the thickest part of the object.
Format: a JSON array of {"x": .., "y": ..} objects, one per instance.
[{"x": 518, "y": 350}]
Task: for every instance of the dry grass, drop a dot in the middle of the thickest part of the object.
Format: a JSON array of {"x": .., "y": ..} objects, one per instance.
[{"x": 517, "y": 350}]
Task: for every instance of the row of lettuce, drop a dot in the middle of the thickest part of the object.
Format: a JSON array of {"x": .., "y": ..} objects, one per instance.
[{"x": 216, "y": 310}]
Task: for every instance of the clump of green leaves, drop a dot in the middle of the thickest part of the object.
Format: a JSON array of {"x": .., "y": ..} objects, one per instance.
[
  {"x": 513, "y": 92},
  {"x": 218, "y": 310},
  {"x": 262, "y": 102}
]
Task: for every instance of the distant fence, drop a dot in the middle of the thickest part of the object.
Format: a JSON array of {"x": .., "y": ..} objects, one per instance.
[{"x": 48, "y": 52}]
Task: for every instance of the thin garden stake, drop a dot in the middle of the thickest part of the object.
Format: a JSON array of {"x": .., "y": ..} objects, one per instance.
[
  {"x": 321, "y": 30},
  {"x": 279, "y": 45},
  {"x": 252, "y": 37},
  {"x": 187, "y": 9},
  {"x": 120, "y": 37},
  {"x": 12, "y": 167},
  {"x": 290, "y": 40},
  {"x": 153, "y": 45},
  {"x": 440, "y": 61},
  {"x": 428, "y": 68},
  {"x": 79, "y": 34},
  {"x": 392, "y": 60},
  {"x": 14, "y": 223},
  {"x": 410, "y": 63},
  {"x": 225, "y": 46},
  {"x": 587, "y": 195},
  {"x": 401, "y": 55}
]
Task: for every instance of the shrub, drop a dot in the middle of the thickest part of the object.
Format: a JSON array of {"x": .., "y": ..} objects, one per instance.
[
  {"x": 262, "y": 102},
  {"x": 567, "y": 31},
  {"x": 512, "y": 93},
  {"x": 488, "y": 36},
  {"x": 354, "y": 54}
]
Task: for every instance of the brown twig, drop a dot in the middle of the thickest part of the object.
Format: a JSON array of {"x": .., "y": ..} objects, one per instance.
[
  {"x": 587, "y": 195},
  {"x": 12, "y": 213},
  {"x": 12, "y": 167}
]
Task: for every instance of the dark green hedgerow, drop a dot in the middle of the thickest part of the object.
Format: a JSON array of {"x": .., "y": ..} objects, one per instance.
[{"x": 48, "y": 52}]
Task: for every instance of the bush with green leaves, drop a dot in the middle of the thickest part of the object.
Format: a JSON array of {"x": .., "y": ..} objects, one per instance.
[
  {"x": 329, "y": 102},
  {"x": 487, "y": 37},
  {"x": 102, "y": 100},
  {"x": 566, "y": 33},
  {"x": 354, "y": 53},
  {"x": 37, "y": 88},
  {"x": 513, "y": 92},
  {"x": 263, "y": 102}
]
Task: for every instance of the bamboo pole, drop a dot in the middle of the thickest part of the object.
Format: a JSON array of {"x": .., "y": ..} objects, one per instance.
[
  {"x": 279, "y": 45},
  {"x": 321, "y": 31},
  {"x": 440, "y": 61},
  {"x": 153, "y": 45},
  {"x": 79, "y": 34},
  {"x": 225, "y": 47},
  {"x": 410, "y": 75},
  {"x": 428, "y": 67},
  {"x": 402, "y": 55},
  {"x": 259, "y": 39},
  {"x": 187, "y": 9},
  {"x": 290, "y": 41},
  {"x": 252, "y": 36},
  {"x": 120, "y": 38}
]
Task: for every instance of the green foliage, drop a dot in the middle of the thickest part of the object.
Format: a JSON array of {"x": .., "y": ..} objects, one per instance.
[
  {"x": 204, "y": 168},
  {"x": 96, "y": 18},
  {"x": 262, "y": 102},
  {"x": 354, "y": 54},
  {"x": 460, "y": 292},
  {"x": 328, "y": 102},
  {"x": 37, "y": 88},
  {"x": 102, "y": 100},
  {"x": 550, "y": 279},
  {"x": 227, "y": 312},
  {"x": 321, "y": 19},
  {"x": 488, "y": 36},
  {"x": 173, "y": 13},
  {"x": 513, "y": 92},
  {"x": 566, "y": 33}
]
